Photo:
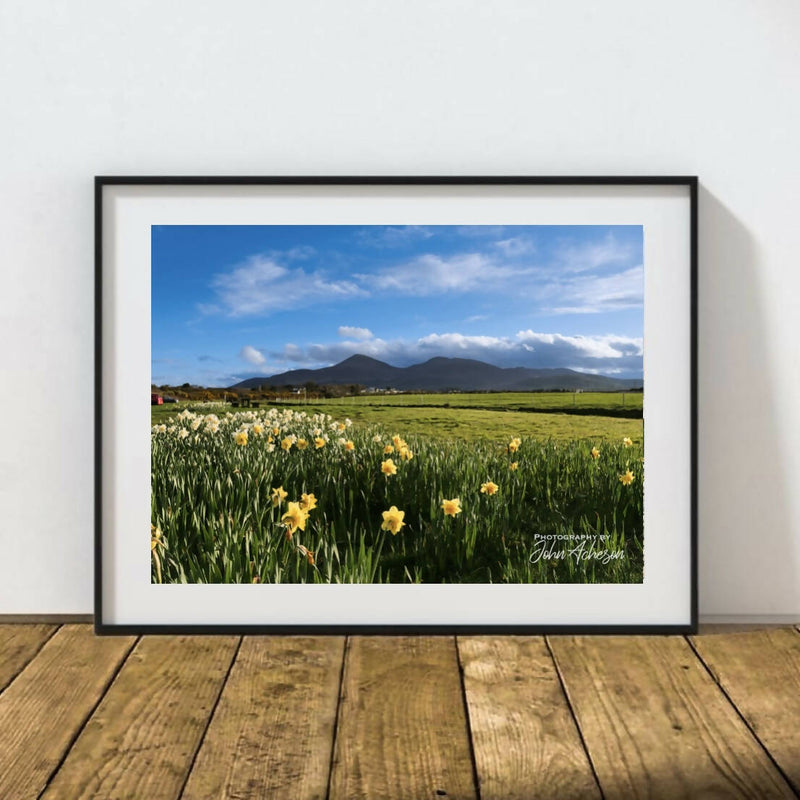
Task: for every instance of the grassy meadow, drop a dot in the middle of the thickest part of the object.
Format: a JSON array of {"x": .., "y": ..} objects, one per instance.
[{"x": 548, "y": 489}]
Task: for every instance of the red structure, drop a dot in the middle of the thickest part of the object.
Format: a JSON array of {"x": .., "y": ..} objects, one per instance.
[{"x": 156, "y": 400}]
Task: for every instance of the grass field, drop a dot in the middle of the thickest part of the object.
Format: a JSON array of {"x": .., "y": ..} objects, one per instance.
[
  {"x": 583, "y": 402},
  {"x": 541, "y": 415},
  {"x": 524, "y": 481}
]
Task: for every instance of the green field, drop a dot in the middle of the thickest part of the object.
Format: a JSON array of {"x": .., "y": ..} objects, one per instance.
[
  {"x": 561, "y": 416},
  {"x": 582, "y": 402},
  {"x": 214, "y": 474}
]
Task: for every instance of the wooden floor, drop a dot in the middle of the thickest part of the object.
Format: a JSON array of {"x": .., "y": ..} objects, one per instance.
[{"x": 716, "y": 715}]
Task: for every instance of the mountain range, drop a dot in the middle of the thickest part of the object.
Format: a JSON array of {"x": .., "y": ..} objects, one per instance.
[{"x": 440, "y": 374}]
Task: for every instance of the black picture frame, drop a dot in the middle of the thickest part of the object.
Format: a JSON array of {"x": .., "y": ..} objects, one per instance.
[{"x": 102, "y": 627}]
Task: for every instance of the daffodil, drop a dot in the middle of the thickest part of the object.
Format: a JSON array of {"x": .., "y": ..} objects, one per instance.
[
  {"x": 295, "y": 518},
  {"x": 349, "y": 446},
  {"x": 451, "y": 507},
  {"x": 278, "y": 496},
  {"x": 241, "y": 438},
  {"x": 627, "y": 441},
  {"x": 514, "y": 445},
  {"x": 595, "y": 453},
  {"x": 341, "y": 427},
  {"x": 388, "y": 449},
  {"x": 286, "y": 444},
  {"x": 393, "y": 520},
  {"x": 307, "y": 553},
  {"x": 308, "y": 502},
  {"x": 406, "y": 453},
  {"x": 319, "y": 442},
  {"x": 258, "y": 429},
  {"x": 397, "y": 441},
  {"x": 626, "y": 479},
  {"x": 388, "y": 467},
  {"x": 276, "y": 431},
  {"x": 155, "y": 537},
  {"x": 489, "y": 488},
  {"x": 301, "y": 444},
  {"x": 513, "y": 466}
]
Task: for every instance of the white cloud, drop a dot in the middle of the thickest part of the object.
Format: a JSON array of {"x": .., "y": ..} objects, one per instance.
[
  {"x": 261, "y": 285},
  {"x": 593, "y": 255},
  {"x": 603, "y": 354},
  {"x": 252, "y": 356},
  {"x": 593, "y": 294},
  {"x": 350, "y": 332},
  {"x": 515, "y": 246},
  {"x": 431, "y": 274},
  {"x": 297, "y": 253}
]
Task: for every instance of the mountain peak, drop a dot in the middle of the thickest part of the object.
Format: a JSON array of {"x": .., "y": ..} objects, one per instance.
[
  {"x": 359, "y": 359},
  {"x": 440, "y": 373}
]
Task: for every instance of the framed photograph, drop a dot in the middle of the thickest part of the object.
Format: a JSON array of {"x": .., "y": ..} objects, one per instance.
[{"x": 396, "y": 405}]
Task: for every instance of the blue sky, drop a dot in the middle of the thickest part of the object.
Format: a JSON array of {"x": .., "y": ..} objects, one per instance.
[{"x": 232, "y": 302}]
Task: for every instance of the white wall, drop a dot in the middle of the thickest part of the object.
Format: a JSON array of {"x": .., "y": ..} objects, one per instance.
[{"x": 414, "y": 87}]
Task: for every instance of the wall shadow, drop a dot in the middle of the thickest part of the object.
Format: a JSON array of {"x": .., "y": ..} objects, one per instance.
[{"x": 748, "y": 559}]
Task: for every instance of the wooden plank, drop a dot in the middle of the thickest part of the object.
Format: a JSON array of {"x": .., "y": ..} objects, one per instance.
[
  {"x": 272, "y": 733},
  {"x": 402, "y": 729},
  {"x": 523, "y": 733},
  {"x": 144, "y": 735},
  {"x": 18, "y": 645},
  {"x": 655, "y": 723},
  {"x": 760, "y": 672},
  {"x": 47, "y": 704}
]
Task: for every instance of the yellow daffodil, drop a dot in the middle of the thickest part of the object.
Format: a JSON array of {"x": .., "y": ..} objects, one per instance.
[
  {"x": 406, "y": 453},
  {"x": 241, "y": 438},
  {"x": 319, "y": 442},
  {"x": 388, "y": 449},
  {"x": 451, "y": 507},
  {"x": 286, "y": 444},
  {"x": 627, "y": 441},
  {"x": 397, "y": 441},
  {"x": 388, "y": 467},
  {"x": 513, "y": 466},
  {"x": 349, "y": 446},
  {"x": 278, "y": 496},
  {"x": 258, "y": 429},
  {"x": 489, "y": 488},
  {"x": 301, "y": 444},
  {"x": 276, "y": 431},
  {"x": 341, "y": 427},
  {"x": 626, "y": 479},
  {"x": 595, "y": 453},
  {"x": 514, "y": 445},
  {"x": 393, "y": 520},
  {"x": 295, "y": 518},
  {"x": 308, "y": 502}
]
